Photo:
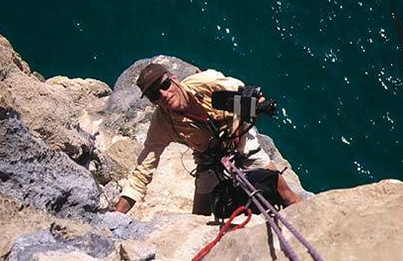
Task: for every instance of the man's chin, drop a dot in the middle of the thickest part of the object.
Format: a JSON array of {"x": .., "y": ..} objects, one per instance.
[{"x": 173, "y": 107}]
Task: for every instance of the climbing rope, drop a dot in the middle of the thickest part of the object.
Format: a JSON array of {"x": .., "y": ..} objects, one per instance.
[
  {"x": 202, "y": 253},
  {"x": 265, "y": 207}
]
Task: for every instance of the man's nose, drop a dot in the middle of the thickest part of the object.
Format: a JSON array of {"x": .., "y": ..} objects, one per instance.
[{"x": 164, "y": 93}]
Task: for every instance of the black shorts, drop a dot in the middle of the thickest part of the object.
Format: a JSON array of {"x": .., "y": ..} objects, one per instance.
[{"x": 226, "y": 198}]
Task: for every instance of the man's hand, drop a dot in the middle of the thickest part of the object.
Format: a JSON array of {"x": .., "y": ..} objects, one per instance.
[{"x": 124, "y": 204}]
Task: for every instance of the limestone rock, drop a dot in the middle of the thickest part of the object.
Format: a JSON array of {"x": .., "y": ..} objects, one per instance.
[
  {"x": 6, "y": 100},
  {"x": 122, "y": 226},
  {"x": 35, "y": 174},
  {"x": 10, "y": 60},
  {"x": 29, "y": 233},
  {"x": 133, "y": 250},
  {"x": 18, "y": 220},
  {"x": 44, "y": 108},
  {"x": 83, "y": 92},
  {"x": 89, "y": 97},
  {"x": 64, "y": 113},
  {"x": 362, "y": 223},
  {"x": 93, "y": 245},
  {"x": 177, "y": 197},
  {"x": 63, "y": 256}
]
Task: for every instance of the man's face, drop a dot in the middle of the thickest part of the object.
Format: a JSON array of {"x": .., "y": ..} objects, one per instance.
[{"x": 172, "y": 95}]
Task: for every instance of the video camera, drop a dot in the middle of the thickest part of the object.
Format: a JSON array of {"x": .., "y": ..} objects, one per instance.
[{"x": 243, "y": 102}]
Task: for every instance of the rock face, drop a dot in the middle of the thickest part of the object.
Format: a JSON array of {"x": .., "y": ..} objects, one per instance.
[
  {"x": 31, "y": 234},
  {"x": 362, "y": 223},
  {"x": 32, "y": 172},
  {"x": 44, "y": 108},
  {"x": 57, "y": 178}
]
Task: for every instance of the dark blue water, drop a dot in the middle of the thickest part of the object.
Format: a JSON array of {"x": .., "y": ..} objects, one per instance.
[{"x": 335, "y": 67}]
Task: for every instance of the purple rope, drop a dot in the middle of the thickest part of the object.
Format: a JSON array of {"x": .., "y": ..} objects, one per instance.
[
  {"x": 285, "y": 245},
  {"x": 256, "y": 197}
]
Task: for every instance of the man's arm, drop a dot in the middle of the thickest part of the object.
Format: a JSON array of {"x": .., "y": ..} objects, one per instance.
[
  {"x": 135, "y": 185},
  {"x": 159, "y": 135}
]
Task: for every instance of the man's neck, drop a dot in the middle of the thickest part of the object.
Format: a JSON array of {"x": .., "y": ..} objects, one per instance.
[{"x": 195, "y": 110}]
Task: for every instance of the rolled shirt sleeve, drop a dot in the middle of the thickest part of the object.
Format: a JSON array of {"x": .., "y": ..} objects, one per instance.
[{"x": 135, "y": 185}]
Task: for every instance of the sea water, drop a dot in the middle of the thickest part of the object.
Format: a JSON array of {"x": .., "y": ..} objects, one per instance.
[{"x": 334, "y": 67}]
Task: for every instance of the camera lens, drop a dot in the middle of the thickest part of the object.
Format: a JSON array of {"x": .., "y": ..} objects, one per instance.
[{"x": 267, "y": 107}]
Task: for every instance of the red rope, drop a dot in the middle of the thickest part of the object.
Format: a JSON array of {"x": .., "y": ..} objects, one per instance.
[{"x": 202, "y": 253}]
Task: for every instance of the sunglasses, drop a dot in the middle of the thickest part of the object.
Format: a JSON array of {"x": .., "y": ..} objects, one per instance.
[{"x": 153, "y": 94}]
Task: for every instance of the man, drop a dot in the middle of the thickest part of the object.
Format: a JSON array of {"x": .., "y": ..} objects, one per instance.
[{"x": 184, "y": 114}]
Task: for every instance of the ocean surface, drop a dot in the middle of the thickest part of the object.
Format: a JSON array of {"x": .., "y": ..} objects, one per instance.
[{"x": 334, "y": 67}]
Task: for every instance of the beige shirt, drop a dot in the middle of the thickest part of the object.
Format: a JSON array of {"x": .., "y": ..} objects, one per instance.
[{"x": 168, "y": 126}]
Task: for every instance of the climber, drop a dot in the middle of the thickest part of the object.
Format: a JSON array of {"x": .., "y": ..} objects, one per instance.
[{"x": 184, "y": 114}]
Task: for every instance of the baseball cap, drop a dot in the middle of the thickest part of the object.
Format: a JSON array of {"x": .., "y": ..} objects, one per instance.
[{"x": 149, "y": 75}]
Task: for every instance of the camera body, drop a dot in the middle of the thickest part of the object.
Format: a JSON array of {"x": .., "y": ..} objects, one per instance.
[{"x": 243, "y": 102}]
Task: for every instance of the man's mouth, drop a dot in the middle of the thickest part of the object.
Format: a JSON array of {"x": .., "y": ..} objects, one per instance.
[{"x": 169, "y": 100}]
